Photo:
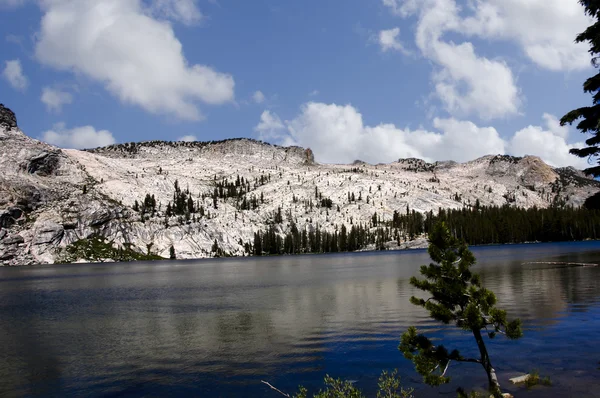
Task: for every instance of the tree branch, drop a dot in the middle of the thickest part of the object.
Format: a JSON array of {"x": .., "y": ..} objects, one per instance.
[
  {"x": 276, "y": 389},
  {"x": 446, "y": 368}
]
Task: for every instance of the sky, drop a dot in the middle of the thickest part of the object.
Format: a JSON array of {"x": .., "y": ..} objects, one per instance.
[{"x": 372, "y": 80}]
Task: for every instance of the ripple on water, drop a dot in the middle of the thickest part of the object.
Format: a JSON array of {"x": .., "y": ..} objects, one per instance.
[{"x": 216, "y": 328}]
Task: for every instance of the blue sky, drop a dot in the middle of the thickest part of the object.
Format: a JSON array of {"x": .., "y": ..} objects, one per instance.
[{"x": 353, "y": 79}]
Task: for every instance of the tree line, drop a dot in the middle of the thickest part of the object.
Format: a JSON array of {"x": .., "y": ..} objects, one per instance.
[{"x": 476, "y": 226}]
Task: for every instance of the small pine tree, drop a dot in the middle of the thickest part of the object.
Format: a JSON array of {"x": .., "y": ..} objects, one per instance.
[
  {"x": 458, "y": 297},
  {"x": 172, "y": 254}
]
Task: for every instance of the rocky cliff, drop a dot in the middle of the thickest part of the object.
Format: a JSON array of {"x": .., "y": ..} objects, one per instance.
[{"x": 121, "y": 198}]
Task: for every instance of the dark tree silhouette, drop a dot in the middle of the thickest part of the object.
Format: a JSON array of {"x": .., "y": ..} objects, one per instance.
[{"x": 590, "y": 125}]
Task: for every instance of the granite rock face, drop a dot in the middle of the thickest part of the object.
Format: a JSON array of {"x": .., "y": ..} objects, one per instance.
[{"x": 52, "y": 198}]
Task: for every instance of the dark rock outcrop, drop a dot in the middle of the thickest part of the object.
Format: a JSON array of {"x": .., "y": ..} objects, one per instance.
[
  {"x": 43, "y": 164},
  {"x": 7, "y": 118},
  {"x": 10, "y": 216},
  {"x": 101, "y": 217},
  {"x": 310, "y": 156}
]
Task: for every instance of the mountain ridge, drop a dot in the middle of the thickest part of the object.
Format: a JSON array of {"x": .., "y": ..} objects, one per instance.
[{"x": 51, "y": 198}]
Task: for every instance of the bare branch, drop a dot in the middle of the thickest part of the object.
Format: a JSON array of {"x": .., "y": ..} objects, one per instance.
[
  {"x": 446, "y": 368},
  {"x": 276, "y": 389}
]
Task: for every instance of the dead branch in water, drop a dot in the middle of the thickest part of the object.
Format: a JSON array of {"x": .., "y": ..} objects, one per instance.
[
  {"x": 276, "y": 389},
  {"x": 562, "y": 263}
]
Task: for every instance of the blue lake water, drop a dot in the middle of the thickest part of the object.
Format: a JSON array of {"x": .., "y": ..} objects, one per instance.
[{"x": 218, "y": 327}]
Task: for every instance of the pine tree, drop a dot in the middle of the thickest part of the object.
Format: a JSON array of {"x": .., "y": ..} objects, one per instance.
[
  {"x": 456, "y": 297},
  {"x": 590, "y": 114},
  {"x": 172, "y": 255}
]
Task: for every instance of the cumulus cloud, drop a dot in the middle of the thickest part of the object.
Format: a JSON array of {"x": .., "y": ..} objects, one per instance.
[
  {"x": 13, "y": 74},
  {"x": 543, "y": 29},
  {"x": 258, "y": 97},
  {"x": 388, "y": 40},
  {"x": 337, "y": 134},
  {"x": 188, "y": 138},
  {"x": 55, "y": 98},
  {"x": 549, "y": 143},
  {"x": 184, "y": 11},
  {"x": 78, "y": 137},
  {"x": 270, "y": 126},
  {"x": 465, "y": 82},
  {"x": 137, "y": 57},
  {"x": 468, "y": 84}
]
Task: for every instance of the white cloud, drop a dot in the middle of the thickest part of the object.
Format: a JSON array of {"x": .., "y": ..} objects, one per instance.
[
  {"x": 258, "y": 97},
  {"x": 270, "y": 126},
  {"x": 463, "y": 140},
  {"x": 544, "y": 29},
  {"x": 388, "y": 40},
  {"x": 188, "y": 138},
  {"x": 549, "y": 143},
  {"x": 136, "y": 57},
  {"x": 400, "y": 7},
  {"x": 465, "y": 82},
  {"x": 337, "y": 134},
  {"x": 78, "y": 137},
  {"x": 184, "y": 11},
  {"x": 468, "y": 84},
  {"x": 55, "y": 98},
  {"x": 13, "y": 73},
  {"x": 313, "y": 93}
]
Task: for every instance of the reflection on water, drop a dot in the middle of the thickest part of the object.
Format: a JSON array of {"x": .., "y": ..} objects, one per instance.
[{"x": 218, "y": 327}]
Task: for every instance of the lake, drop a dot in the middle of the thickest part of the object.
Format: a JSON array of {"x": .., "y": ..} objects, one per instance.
[{"x": 218, "y": 327}]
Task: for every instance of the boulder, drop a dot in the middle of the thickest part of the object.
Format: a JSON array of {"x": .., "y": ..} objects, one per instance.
[
  {"x": 48, "y": 232},
  {"x": 12, "y": 240},
  {"x": 520, "y": 379}
]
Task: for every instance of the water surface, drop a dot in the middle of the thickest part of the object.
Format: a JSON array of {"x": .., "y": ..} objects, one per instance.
[{"x": 218, "y": 327}]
